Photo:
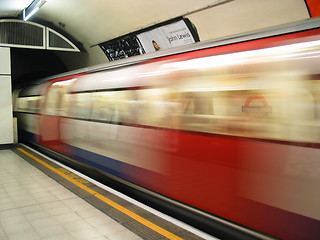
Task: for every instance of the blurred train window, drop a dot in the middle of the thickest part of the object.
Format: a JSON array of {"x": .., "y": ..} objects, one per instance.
[
  {"x": 29, "y": 104},
  {"x": 105, "y": 107},
  {"x": 52, "y": 102},
  {"x": 271, "y": 113},
  {"x": 217, "y": 111},
  {"x": 157, "y": 107},
  {"x": 196, "y": 110},
  {"x": 315, "y": 89},
  {"x": 56, "y": 103},
  {"x": 127, "y": 106},
  {"x": 22, "y": 104},
  {"x": 66, "y": 105},
  {"x": 280, "y": 113},
  {"x": 79, "y": 104},
  {"x": 165, "y": 107}
]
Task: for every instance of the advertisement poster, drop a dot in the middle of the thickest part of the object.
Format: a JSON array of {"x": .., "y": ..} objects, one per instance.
[
  {"x": 168, "y": 36},
  {"x": 163, "y": 36},
  {"x": 122, "y": 48}
]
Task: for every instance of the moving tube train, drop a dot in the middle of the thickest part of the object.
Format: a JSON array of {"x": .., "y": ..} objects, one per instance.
[{"x": 228, "y": 130}]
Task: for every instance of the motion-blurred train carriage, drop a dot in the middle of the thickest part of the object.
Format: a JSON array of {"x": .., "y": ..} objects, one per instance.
[{"x": 228, "y": 129}]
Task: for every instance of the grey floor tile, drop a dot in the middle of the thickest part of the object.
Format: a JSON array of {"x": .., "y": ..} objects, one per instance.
[
  {"x": 25, "y": 236},
  {"x": 67, "y": 218},
  {"x": 60, "y": 236},
  {"x": 124, "y": 235},
  {"x": 15, "y": 228},
  {"x": 86, "y": 233},
  {"x": 50, "y": 230}
]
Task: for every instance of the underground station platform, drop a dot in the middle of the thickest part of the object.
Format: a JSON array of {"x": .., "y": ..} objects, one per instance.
[{"x": 43, "y": 199}]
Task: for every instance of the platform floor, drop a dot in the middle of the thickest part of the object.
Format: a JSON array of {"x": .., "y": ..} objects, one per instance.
[{"x": 36, "y": 206}]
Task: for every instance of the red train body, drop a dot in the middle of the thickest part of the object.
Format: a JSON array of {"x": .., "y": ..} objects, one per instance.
[{"x": 231, "y": 129}]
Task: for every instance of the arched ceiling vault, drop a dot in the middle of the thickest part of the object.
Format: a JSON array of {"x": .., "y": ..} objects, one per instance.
[{"x": 96, "y": 21}]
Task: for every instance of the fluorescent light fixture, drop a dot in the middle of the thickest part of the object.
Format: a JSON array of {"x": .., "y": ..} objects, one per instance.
[
  {"x": 31, "y": 13},
  {"x": 32, "y": 9}
]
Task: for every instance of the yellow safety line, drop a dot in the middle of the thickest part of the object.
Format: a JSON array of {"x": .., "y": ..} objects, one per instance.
[{"x": 126, "y": 211}]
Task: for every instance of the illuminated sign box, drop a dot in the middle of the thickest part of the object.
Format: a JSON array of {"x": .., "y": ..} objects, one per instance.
[{"x": 170, "y": 34}]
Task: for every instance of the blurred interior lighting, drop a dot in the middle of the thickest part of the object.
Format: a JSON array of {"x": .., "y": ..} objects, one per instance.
[
  {"x": 64, "y": 83},
  {"x": 155, "y": 73},
  {"x": 32, "y": 9},
  {"x": 245, "y": 57},
  {"x": 300, "y": 55},
  {"x": 105, "y": 93}
]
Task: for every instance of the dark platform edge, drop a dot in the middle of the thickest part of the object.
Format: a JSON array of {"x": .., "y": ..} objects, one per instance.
[{"x": 7, "y": 146}]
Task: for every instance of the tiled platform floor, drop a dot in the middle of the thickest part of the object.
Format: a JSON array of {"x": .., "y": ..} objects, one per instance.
[{"x": 33, "y": 206}]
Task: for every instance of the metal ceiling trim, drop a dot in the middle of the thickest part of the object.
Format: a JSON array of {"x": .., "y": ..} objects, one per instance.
[
  {"x": 25, "y": 34},
  {"x": 73, "y": 48},
  {"x": 8, "y": 39}
]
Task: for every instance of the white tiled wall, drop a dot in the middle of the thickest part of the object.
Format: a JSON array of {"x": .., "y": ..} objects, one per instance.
[{"x": 6, "y": 119}]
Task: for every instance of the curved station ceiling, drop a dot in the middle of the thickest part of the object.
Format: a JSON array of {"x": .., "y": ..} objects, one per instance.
[{"x": 93, "y": 22}]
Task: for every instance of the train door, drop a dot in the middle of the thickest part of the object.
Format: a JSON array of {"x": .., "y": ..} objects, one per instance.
[{"x": 50, "y": 117}]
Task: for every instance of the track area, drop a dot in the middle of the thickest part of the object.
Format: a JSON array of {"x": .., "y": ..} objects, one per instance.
[{"x": 125, "y": 211}]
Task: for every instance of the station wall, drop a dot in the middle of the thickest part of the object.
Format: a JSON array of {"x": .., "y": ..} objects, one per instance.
[{"x": 242, "y": 16}]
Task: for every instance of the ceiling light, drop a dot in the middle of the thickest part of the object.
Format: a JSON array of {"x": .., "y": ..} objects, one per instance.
[{"x": 32, "y": 8}]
